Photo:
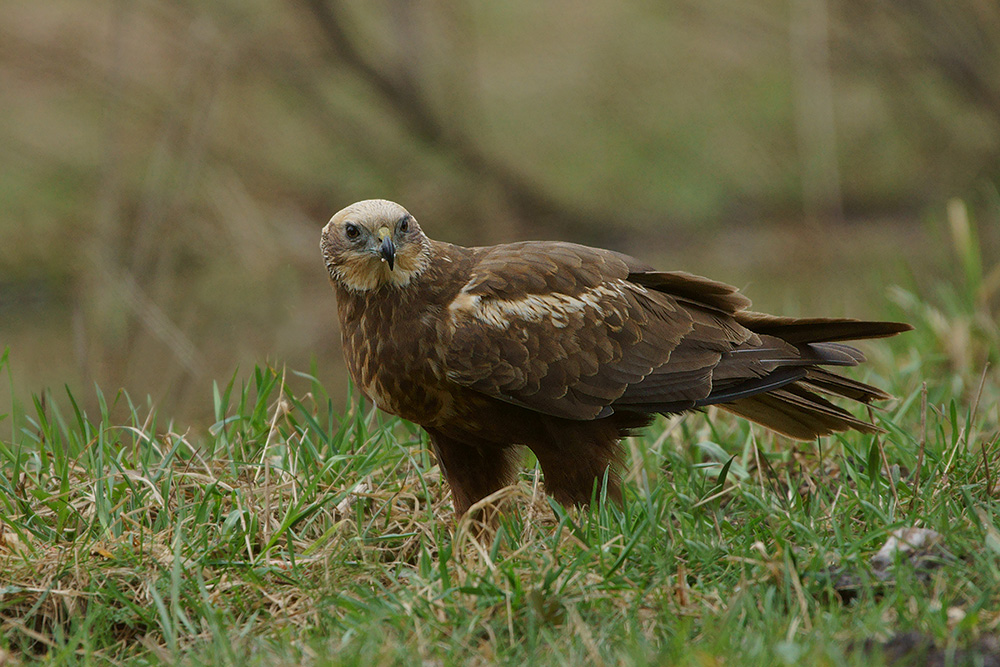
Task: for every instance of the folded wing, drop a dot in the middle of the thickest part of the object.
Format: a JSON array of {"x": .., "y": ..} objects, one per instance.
[{"x": 580, "y": 333}]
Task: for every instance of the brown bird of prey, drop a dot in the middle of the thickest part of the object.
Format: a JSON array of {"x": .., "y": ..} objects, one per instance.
[{"x": 565, "y": 349}]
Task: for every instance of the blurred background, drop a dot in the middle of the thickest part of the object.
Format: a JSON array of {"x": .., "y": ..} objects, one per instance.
[{"x": 166, "y": 166}]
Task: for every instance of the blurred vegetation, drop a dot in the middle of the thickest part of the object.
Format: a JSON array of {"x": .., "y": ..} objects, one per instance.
[{"x": 167, "y": 166}]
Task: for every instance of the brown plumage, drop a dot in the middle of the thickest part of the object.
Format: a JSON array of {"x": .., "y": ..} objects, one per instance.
[{"x": 565, "y": 349}]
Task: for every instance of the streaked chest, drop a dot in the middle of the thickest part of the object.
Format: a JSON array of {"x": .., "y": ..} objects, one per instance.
[{"x": 390, "y": 349}]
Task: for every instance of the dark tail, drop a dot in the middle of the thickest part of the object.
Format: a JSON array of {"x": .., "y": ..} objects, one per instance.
[{"x": 791, "y": 399}]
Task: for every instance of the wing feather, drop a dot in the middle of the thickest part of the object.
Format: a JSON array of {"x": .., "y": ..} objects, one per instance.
[
  {"x": 577, "y": 335},
  {"x": 579, "y": 332}
]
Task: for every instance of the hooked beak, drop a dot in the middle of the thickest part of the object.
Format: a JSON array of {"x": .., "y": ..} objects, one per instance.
[{"x": 387, "y": 249}]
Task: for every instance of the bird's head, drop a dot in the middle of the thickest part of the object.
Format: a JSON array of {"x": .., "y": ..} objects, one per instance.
[{"x": 374, "y": 243}]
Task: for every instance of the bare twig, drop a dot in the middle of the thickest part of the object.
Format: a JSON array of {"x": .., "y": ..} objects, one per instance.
[{"x": 404, "y": 99}]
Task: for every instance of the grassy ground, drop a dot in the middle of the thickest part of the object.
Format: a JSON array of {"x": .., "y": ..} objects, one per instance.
[{"x": 294, "y": 532}]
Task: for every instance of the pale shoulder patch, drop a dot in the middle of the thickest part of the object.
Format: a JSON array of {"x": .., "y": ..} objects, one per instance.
[{"x": 556, "y": 308}]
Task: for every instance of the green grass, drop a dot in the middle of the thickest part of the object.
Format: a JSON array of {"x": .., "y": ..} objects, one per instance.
[{"x": 295, "y": 531}]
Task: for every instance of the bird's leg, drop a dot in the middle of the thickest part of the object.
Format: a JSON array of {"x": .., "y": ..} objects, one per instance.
[
  {"x": 472, "y": 471},
  {"x": 574, "y": 464}
]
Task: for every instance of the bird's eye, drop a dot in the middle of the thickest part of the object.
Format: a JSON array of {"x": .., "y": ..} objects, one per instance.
[
  {"x": 404, "y": 224},
  {"x": 351, "y": 231}
]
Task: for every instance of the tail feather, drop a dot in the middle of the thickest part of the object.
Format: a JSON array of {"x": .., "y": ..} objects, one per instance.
[
  {"x": 835, "y": 354},
  {"x": 798, "y": 413},
  {"x": 795, "y": 407},
  {"x": 837, "y": 385},
  {"x": 818, "y": 329}
]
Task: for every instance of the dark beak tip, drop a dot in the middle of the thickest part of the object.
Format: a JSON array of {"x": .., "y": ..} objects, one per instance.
[{"x": 388, "y": 252}]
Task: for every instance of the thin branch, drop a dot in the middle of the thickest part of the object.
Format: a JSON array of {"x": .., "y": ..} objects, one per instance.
[{"x": 528, "y": 201}]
